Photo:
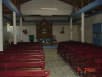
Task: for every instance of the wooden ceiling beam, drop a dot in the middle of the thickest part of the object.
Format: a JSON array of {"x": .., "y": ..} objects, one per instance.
[
  {"x": 17, "y": 3},
  {"x": 68, "y": 2},
  {"x": 23, "y": 1},
  {"x": 77, "y": 3}
]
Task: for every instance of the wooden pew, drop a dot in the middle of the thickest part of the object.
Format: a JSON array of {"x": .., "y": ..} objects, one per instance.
[
  {"x": 22, "y": 65},
  {"x": 21, "y": 57},
  {"x": 24, "y": 73},
  {"x": 24, "y": 52},
  {"x": 82, "y": 55}
]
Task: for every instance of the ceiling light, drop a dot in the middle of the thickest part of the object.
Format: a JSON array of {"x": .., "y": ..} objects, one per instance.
[{"x": 55, "y": 9}]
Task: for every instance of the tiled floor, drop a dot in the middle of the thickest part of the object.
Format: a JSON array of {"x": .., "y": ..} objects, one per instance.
[{"x": 56, "y": 66}]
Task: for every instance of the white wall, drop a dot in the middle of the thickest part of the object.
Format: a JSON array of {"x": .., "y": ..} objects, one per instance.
[
  {"x": 88, "y": 29},
  {"x": 76, "y": 33},
  {"x": 8, "y": 34},
  {"x": 31, "y": 29},
  {"x": 88, "y": 26},
  {"x": 66, "y": 35},
  {"x": 56, "y": 32}
]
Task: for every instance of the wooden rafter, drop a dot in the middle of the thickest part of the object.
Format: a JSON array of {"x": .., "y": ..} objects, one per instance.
[
  {"x": 78, "y": 4},
  {"x": 17, "y": 3}
]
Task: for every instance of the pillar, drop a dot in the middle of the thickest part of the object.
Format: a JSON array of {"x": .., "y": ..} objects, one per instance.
[
  {"x": 71, "y": 27},
  {"x": 1, "y": 26},
  {"x": 14, "y": 28},
  {"x": 82, "y": 27}
]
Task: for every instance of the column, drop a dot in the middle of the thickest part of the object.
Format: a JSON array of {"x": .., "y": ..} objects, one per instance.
[
  {"x": 71, "y": 27},
  {"x": 14, "y": 28},
  {"x": 1, "y": 27},
  {"x": 21, "y": 28},
  {"x": 82, "y": 27}
]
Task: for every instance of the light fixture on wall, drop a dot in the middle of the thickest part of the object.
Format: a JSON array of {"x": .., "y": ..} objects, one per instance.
[
  {"x": 25, "y": 31},
  {"x": 62, "y": 30}
]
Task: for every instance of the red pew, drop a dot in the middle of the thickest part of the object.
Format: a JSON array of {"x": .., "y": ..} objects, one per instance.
[
  {"x": 22, "y": 65},
  {"x": 24, "y": 73},
  {"x": 18, "y": 58}
]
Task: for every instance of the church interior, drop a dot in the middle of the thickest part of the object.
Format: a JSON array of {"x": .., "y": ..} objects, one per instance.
[{"x": 51, "y": 38}]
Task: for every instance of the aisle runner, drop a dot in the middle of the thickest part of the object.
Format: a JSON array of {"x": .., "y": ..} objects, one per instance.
[{"x": 57, "y": 67}]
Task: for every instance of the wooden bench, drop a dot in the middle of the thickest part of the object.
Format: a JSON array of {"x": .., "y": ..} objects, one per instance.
[
  {"x": 22, "y": 65},
  {"x": 20, "y": 58},
  {"x": 24, "y": 73}
]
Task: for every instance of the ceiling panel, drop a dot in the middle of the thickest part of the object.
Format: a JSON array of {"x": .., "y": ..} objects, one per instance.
[{"x": 46, "y": 7}]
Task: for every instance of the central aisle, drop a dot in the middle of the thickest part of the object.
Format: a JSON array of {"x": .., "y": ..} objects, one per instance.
[{"x": 57, "y": 67}]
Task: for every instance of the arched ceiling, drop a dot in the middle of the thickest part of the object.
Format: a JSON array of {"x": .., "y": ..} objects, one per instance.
[
  {"x": 77, "y": 4},
  {"x": 46, "y": 7}
]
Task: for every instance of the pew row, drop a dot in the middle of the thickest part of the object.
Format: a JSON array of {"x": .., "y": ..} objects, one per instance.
[
  {"x": 24, "y": 73},
  {"x": 22, "y": 65}
]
